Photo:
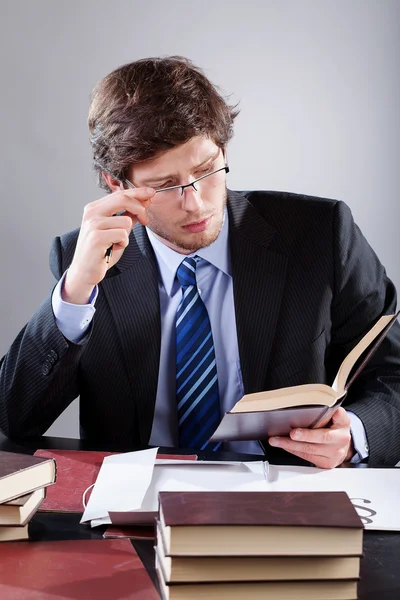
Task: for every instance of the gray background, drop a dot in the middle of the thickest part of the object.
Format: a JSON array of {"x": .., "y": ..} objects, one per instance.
[{"x": 318, "y": 83}]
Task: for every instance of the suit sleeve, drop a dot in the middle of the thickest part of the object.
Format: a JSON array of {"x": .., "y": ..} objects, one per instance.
[
  {"x": 362, "y": 293},
  {"x": 39, "y": 373}
]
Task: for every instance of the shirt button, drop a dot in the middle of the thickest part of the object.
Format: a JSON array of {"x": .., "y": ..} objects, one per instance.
[{"x": 84, "y": 322}]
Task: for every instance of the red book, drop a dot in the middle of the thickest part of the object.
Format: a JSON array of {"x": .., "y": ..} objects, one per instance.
[
  {"x": 76, "y": 471},
  {"x": 140, "y": 532},
  {"x": 92, "y": 569}
]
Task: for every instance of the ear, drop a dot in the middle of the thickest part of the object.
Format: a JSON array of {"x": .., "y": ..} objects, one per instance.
[{"x": 112, "y": 183}]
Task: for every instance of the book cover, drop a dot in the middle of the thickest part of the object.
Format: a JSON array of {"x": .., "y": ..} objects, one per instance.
[
  {"x": 84, "y": 569},
  {"x": 277, "y": 412},
  {"x": 22, "y": 473},
  {"x": 259, "y": 524},
  {"x": 301, "y": 509}
]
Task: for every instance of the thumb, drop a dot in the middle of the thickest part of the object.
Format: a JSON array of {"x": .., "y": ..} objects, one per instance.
[{"x": 340, "y": 418}]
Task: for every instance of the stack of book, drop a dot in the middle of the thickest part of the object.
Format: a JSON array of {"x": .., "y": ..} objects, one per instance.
[
  {"x": 257, "y": 545},
  {"x": 23, "y": 482}
]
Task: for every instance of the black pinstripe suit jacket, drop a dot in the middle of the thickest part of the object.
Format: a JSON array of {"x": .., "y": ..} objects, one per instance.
[{"x": 306, "y": 284}]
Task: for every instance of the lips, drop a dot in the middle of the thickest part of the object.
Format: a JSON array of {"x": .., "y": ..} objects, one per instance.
[{"x": 198, "y": 226}]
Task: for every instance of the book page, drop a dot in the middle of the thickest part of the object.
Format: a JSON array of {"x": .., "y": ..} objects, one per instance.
[
  {"x": 309, "y": 394},
  {"x": 386, "y": 321}
]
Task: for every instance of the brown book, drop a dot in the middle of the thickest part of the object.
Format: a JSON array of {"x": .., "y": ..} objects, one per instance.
[
  {"x": 259, "y": 524},
  {"x": 83, "y": 569},
  {"x": 260, "y": 590},
  {"x": 22, "y": 474},
  {"x": 21, "y": 510},
  {"x": 192, "y": 569},
  {"x": 276, "y": 412}
]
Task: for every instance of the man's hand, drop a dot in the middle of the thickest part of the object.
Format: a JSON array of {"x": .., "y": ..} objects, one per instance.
[
  {"x": 101, "y": 228},
  {"x": 326, "y": 447}
]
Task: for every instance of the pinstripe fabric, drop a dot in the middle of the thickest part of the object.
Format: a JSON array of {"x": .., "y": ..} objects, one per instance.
[
  {"x": 306, "y": 287},
  {"x": 197, "y": 392}
]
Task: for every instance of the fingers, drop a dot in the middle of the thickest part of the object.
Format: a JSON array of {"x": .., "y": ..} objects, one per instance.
[
  {"x": 340, "y": 418},
  {"x": 325, "y": 456},
  {"x": 115, "y": 222},
  {"x": 133, "y": 201},
  {"x": 325, "y": 447},
  {"x": 109, "y": 237}
]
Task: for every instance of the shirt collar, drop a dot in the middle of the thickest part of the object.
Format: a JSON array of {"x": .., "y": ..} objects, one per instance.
[{"x": 169, "y": 260}]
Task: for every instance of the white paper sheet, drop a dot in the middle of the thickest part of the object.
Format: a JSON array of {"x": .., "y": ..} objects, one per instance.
[
  {"x": 132, "y": 484},
  {"x": 121, "y": 484},
  {"x": 375, "y": 493}
]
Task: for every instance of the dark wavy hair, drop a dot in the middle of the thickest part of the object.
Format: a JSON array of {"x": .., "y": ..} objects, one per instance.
[{"x": 149, "y": 106}]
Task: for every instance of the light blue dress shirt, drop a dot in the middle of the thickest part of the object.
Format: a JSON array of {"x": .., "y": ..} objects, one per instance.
[{"x": 214, "y": 278}]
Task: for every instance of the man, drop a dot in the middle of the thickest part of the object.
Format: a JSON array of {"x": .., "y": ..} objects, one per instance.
[{"x": 177, "y": 296}]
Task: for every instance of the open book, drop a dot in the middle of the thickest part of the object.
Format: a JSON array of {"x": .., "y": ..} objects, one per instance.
[{"x": 276, "y": 412}]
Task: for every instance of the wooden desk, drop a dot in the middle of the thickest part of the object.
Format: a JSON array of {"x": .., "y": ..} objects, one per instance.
[{"x": 380, "y": 566}]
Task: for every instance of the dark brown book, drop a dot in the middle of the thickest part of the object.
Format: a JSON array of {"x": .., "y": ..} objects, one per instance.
[
  {"x": 192, "y": 569},
  {"x": 259, "y": 524},
  {"x": 84, "y": 569},
  {"x": 260, "y": 590},
  {"x": 22, "y": 474},
  {"x": 21, "y": 510},
  {"x": 276, "y": 412}
]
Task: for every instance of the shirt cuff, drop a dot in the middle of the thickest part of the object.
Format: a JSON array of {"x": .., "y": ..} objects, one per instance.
[
  {"x": 73, "y": 320},
  {"x": 359, "y": 438}
]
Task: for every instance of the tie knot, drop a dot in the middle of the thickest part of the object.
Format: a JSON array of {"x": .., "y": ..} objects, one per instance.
[{"x": 186, "y": 271}]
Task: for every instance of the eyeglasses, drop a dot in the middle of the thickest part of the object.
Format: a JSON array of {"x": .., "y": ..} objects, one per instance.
[{"x": 205, "y": 182}]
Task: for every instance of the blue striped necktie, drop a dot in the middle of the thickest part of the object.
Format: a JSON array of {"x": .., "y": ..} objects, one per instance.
[{"x": 196, "y": 370}]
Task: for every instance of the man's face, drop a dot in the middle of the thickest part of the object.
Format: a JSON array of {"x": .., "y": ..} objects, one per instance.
[{"x": 193, "y": 220}]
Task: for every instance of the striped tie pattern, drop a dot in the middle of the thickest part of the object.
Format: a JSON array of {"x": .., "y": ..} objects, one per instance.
[{"x": 196, "y": 370}]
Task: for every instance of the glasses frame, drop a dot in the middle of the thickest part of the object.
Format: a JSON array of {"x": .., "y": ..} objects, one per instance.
[{"x": 182, "y": 187}]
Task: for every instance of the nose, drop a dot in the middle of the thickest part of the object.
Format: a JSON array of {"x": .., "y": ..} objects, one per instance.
[{"x": 191, "y": 199}]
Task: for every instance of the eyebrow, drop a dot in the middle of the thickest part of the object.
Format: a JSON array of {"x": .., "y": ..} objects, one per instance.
[{"x": 160, "y": 178}]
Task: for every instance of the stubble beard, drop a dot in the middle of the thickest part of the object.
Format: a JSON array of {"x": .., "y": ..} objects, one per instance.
[{"x": 198, "y": 240}]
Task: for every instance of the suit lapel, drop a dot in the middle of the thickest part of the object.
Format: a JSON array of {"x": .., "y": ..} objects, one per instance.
[
  {"x": 258, "y": 282},
  {"x": 131, "y": 289}
]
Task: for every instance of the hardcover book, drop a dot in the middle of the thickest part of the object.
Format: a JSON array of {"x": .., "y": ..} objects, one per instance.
[
  {"x": 65, "y": 570},
  {"x": 11, "y": 533},
  {"x": 192, "y": 569},
  {"x": 22, "y": 474},
  {"x": 259, "y": 524},
  {"x": 277, "y": 412},
  {"x": 21, "y": 510},
  {"x": 260, "y": 590}
]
